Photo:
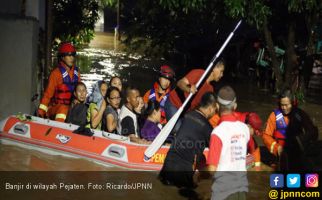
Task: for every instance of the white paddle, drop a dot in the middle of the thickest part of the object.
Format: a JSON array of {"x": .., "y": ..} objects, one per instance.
[{"x": 164, "y": 133}]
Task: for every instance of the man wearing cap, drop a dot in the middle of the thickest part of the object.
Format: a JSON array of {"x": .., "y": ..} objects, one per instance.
[
  {"x": 62, "y": 81},
  {"x": 227, "y": 150},
  {"x": 161, "y": 89}
]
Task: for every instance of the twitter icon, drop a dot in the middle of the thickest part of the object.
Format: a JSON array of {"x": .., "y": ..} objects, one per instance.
[{"x": 293, "y": 180}]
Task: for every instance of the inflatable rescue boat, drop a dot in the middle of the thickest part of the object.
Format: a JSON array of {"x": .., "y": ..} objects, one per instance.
[{"x": 110, "y": 149}]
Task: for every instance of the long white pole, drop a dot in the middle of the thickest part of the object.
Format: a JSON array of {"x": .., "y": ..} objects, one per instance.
[{"x": 164, "y": 133}]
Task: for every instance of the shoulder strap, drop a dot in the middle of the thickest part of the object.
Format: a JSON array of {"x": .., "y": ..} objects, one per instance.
[
  {"x": 280, "y": 122},
  {"x": 66, "y": 78},
  {"x": 152, "y": 94}
]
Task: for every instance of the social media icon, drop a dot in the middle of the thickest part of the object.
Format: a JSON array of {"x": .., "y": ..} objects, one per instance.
[
  {"x": 311, "y": 180},
  {"x": 277, "y": 180},
  {"x": 293, "y": 180}
]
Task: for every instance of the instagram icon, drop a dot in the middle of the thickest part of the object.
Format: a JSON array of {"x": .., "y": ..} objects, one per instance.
[{"x": 311, "y": 180}]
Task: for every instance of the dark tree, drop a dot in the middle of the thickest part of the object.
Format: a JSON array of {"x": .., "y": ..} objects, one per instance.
[{"x": 74, "y": 20}]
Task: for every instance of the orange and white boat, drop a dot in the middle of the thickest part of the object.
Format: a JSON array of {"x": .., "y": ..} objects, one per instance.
[{"x": 110, "y": 149}]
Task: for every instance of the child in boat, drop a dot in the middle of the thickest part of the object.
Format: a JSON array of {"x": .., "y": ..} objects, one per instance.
[
  {"x": 150, "y": 128},
  {"x": 110, "y": 119},
  {"x": 97, "y": 105}
]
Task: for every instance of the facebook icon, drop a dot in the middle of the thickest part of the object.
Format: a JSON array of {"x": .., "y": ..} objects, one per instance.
[{"x": 277, "y": 180}]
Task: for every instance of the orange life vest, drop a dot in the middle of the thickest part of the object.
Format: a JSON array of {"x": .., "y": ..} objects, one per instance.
[{"x": 63, "y": 92}]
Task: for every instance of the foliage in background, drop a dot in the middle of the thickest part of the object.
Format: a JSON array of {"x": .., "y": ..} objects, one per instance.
[
  {"x": 288, "y": 23},
  {"x": 283, "y": 23},
  {"x": 160, "y": 30},
  {"x": 74, "y": 20}
]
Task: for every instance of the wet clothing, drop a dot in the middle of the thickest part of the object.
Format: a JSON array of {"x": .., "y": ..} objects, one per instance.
[
  {"x": 227, "y": 151},
  {"x": 128, "y": 122},
  {"x": 77, "y": 114},
  {"x": 56, "y": 99},
  {"x": 150, "y": 130},
  {"x": 153, "y": 95},
  {"x": 109, "y": 111},
  {"x": 177, "y": 96},
  {"x": 186, "y": 151}
]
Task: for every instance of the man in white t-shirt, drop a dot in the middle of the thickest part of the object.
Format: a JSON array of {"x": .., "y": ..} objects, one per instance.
[{"x": 227, "y": 150}]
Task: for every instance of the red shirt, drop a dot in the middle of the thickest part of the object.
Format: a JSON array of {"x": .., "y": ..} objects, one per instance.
[{"x": 193, "y": 77}]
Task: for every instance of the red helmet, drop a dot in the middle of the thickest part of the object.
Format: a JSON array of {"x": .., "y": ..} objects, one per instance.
[
  {"x": 66, "y": 48},
  {"x": 167, "y": 72}
]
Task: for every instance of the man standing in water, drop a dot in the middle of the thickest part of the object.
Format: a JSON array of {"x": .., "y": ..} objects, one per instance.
[
  {"x": 227, "y": 150},
  {"x": 288, "y": 133},
  {"x": 62, "y": 81},
  {"x": 186, "y": 152}
]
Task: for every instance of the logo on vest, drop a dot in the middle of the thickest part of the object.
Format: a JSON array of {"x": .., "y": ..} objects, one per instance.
[{"x": 63, "y": 138}]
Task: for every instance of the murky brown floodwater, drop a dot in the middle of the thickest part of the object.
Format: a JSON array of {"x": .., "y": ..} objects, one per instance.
[{"x": 108, "y": 63}]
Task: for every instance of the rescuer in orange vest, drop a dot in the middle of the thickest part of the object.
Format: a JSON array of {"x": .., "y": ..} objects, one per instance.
[{"x": 62, "y": 80}]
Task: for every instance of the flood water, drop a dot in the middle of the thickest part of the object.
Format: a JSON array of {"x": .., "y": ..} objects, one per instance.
[{"x": 97, "y": 64}]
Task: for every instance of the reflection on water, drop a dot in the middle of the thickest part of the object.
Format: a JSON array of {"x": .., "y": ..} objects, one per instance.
[
  {"x": 18, "y": 158},
  {"x": 14, "y": 158},
  {"x": 98, "y": 64}
]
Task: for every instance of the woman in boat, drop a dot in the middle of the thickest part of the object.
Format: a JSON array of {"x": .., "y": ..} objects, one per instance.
[
  {"x": 77, "y": 113},
  {"x": 97, "y": 105},
  {"x": 116, "y": 82},
  {"x": 113, "y": 98},
  {"x": 150, "y": 128}
]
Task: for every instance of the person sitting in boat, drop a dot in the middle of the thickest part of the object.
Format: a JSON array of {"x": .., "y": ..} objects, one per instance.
[
  {"x": 139, "y": 111},
  {"x": 288, "y": 133},
  {"x": 187, "y": 85},
  {"x": 77, "y": 113},
  {"x": 61, "y": 83},
  {"x": 116, "y": 82},
  {"x": 151, "y": 126},
  {"x": 97, "y": 105},
  {"x": 186, "y": 152},
  {"x": 110, "y": 119},
  {"x": 128, "y": 121},
  {"x": 161, "y": 89}
]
